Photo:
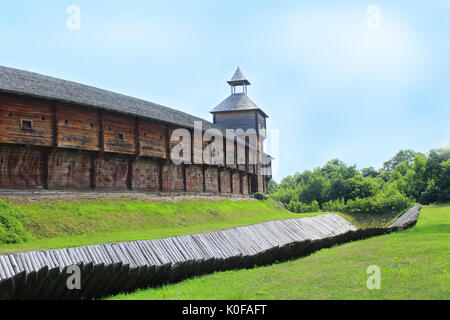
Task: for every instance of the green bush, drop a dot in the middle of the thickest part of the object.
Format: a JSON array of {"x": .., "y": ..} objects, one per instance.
[
  {"x": 334, "y": 205},
  {"x": 11, "y": 228},
  {"x": 260, "y": 196},
  {"x": 300, "y": 207},
  {"x": 388, "y": 200},
  {"x": 285, "y": 195}
]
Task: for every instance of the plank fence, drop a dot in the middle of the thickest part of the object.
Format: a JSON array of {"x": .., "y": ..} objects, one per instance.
[{"x": 109, "y": 269}]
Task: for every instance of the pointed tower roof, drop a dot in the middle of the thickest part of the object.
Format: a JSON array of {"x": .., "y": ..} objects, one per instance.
[
  {"x": 238, "y": 79},
  {"x": 237, "y": 101}
]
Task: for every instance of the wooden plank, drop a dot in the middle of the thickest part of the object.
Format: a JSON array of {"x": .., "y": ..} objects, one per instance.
[
  {"x": 168, "y": 150},
  {"x": 119, "y": 134},
  {"x": 22, "y": 167},
  {"x": 152, "y": 139},
  {"x": 69, "y": 169},
  {"x": 204, "y": 177},
  {"x": 101, "y": 131},
  {"x": 130, "y": 172},
  {"x": 137, "y": 134},
  {"x": 6, "y": 268},
  {"x": 183, "y": 169},
  {"x": 14, "y": 109},
  {"x": 161, "y": 166},
  {"x": 77, "y": 128},
  {"x": 54, "y": 127},
  {"x": 148, "y": 252}
]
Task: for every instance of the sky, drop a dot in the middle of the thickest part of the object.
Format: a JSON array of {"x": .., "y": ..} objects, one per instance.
[{"x": 353, "y": 80}]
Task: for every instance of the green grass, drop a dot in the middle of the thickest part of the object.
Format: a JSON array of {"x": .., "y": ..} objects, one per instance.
[
  {"x": 76, "y": 223},
  {"x": 415, "y": 264},
  {"x": 64, "y": 224}
]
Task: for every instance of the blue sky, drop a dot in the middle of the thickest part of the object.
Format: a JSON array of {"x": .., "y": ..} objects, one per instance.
[{"x": 333, "y": 87}]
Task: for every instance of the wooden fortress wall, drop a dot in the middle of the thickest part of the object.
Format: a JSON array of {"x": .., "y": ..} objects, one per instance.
[{"x": 76, "y": 147}]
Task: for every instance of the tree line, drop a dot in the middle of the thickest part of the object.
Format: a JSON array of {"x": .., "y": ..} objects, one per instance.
[{"x": 406, "y": 178}]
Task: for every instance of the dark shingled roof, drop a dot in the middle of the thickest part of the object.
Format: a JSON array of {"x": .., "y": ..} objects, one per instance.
[
  {"x": 237, "y": 102},
  {"x": 29, "y": 83}
]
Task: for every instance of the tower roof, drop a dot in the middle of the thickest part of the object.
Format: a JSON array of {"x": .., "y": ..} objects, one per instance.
[
  {"x": 237, "y": 102},
  {"x": 238, "y": 79}
]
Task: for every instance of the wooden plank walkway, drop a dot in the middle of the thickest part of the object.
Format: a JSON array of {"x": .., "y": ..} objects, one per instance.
[{"x": 119, "y": 267}]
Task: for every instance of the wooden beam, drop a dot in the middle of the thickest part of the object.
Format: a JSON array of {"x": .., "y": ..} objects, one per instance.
[
  {"x": 241, "y": 183},
  {"x": 138, "y": 138},
  {"x": 256, "y": 123},
  {"x": 183, "y": 169},
  {"x": 218, "y": 180},
  {"x": 54, "y": 127},
  {"x": 161, "y": 166},
  {"x": 204, "y": 177},
  {"x": 130, "y": 174},
  {"x": 101, "y": 134},
  {"x": 225, "y": 151},
  {"x": 45, "y": 177},
  {"x": 167, "y": 143},
  {"x": 93, "y": 176},
  {"x": 231, "y": 182}
]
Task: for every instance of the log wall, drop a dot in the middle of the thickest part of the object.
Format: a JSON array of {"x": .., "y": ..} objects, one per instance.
[
  {"x": 172, "y": 177},
  {"x": 225, "y": 181},
  {"x": 77, "y": 128},
  {"x": 245, "y": 189},
  {"x": 146, "y": 173},
  {"x": 22, "y": 167},
  {"x": 77, "y": 147},
  {"x": 111, "y": 172},
  {"x": 115, "y": 125},
  {"x": 236, "y": 182},
  {"x": 152, "y": 140},
  {"x": 212, "y": 179},
  {"x": 68, "y": 169},
  {"x": 194, "y": 178},
  {"x": 13, "y": 111}
]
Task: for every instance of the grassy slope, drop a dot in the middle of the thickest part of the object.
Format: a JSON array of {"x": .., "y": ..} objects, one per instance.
[
  {"x": 62, "y": 224},
  {"x": 414, "y": 264},
  {"x": 75, "y": 223}
]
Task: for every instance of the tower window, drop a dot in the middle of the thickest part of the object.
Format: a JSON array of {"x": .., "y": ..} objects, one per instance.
[
  {"x": 120, "y": 136},
  {"x": 26, "y": 124}
]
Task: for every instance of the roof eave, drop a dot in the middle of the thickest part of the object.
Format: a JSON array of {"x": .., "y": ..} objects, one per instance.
[
  {"x": 239, "y": 83},
  {"x": 234, "y": 111}
]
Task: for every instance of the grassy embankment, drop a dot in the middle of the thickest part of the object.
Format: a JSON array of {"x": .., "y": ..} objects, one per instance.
[
  {"x": 61, "y": 224},
  {"x": 77, "y": 223},
  {"x": 415, "y": 264}
]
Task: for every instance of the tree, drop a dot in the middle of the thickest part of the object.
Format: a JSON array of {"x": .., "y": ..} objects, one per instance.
[
  {"x": 272, "y": 186},
  {"x": 438, "y": 188},
  {"x": 410, "y": 177},
  {"x": 360, "y": 187},
  {"x": 369, "y": 172},
  {"x": 435, "y": 158},
  {"x": 315, "y": 189},
  {"x": 399, "y": 157}
]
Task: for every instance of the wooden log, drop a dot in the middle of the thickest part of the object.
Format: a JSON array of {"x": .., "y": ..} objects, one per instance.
[
  {"x": 7, "y": 289},
  {"x": 112, "y": 268}
]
